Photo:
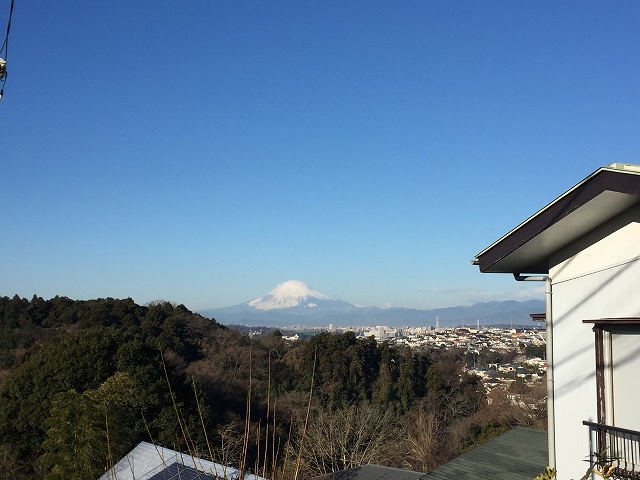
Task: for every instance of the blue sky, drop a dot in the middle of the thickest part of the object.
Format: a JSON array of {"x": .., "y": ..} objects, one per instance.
[{"x": 203, "y": 152}]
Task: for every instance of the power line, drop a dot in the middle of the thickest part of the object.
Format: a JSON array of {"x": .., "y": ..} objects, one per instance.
[{"x": 5, "y": 49}]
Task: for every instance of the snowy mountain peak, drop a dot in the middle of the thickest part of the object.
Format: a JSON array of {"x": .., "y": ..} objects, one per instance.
[{"x": 288, "y": 294}]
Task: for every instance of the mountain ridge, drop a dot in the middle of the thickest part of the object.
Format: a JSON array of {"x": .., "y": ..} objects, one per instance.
[{"x": 294, "y": 303}]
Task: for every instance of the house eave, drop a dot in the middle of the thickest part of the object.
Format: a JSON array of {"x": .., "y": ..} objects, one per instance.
[{"x": 528, "y": 247}]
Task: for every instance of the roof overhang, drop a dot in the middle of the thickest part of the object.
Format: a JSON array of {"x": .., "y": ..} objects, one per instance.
[{"x": 598, "y": 198}]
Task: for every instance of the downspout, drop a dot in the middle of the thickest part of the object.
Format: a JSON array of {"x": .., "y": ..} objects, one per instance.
[{"x": 551, "y": 432}]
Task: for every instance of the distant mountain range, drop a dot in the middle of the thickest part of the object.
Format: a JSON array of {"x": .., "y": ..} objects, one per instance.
[{"x": 293, "y": 303}]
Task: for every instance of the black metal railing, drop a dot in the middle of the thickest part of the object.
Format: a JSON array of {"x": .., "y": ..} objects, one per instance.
[{"x": 614, "y": 451}]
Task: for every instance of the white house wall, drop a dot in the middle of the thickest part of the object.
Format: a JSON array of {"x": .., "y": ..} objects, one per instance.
[
  {"x": 612, "y": 244},
  {"x": 599, "y": 281}
]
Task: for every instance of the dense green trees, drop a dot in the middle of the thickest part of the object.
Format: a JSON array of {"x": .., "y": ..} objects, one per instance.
[
  {"x": 82, "y": 382},
  {"x": 350, "y": 370},
  {"x": 87, "y": 433},
  {"x": 61, "y": 352}
]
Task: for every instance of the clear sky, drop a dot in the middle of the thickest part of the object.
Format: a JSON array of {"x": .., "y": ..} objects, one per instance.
[{"x": 204, "y": 151}]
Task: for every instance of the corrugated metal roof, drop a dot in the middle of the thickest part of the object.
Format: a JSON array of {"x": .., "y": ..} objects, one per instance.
[
  {"x": 147, "y": 460},
  {"x": 519, "y": 454}
]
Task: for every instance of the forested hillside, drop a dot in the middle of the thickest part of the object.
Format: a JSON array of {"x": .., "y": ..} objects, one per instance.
[{"x": 82, "y": 382}]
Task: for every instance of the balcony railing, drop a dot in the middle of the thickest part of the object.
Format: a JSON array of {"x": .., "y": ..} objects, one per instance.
[{"x": 614, "y": 451}]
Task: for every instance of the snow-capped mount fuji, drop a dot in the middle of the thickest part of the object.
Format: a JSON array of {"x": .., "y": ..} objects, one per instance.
[
  {"x": 294, "y": 297},
  {"x": 289, "y": 303},
  {"x": 292, "y": 294}
]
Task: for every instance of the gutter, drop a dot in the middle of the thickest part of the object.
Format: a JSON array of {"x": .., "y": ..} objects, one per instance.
[{"x": 551, "y": 432}]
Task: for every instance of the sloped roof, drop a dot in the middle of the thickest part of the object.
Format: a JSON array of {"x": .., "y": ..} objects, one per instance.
[
  {"x": 152, "y": 462},
  {"x": 176, "y": 471},
  {"x": 372, "y": 472},
  {"x": 601, "y": 196},
  {"x": 519, "y": 454}
]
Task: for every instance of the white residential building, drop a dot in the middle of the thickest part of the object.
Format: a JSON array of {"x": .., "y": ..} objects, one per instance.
[{"x": 585, "y": 246}]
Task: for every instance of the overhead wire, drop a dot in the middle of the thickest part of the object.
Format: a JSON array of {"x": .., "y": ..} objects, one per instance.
[{"x": 5, "y": 48}]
